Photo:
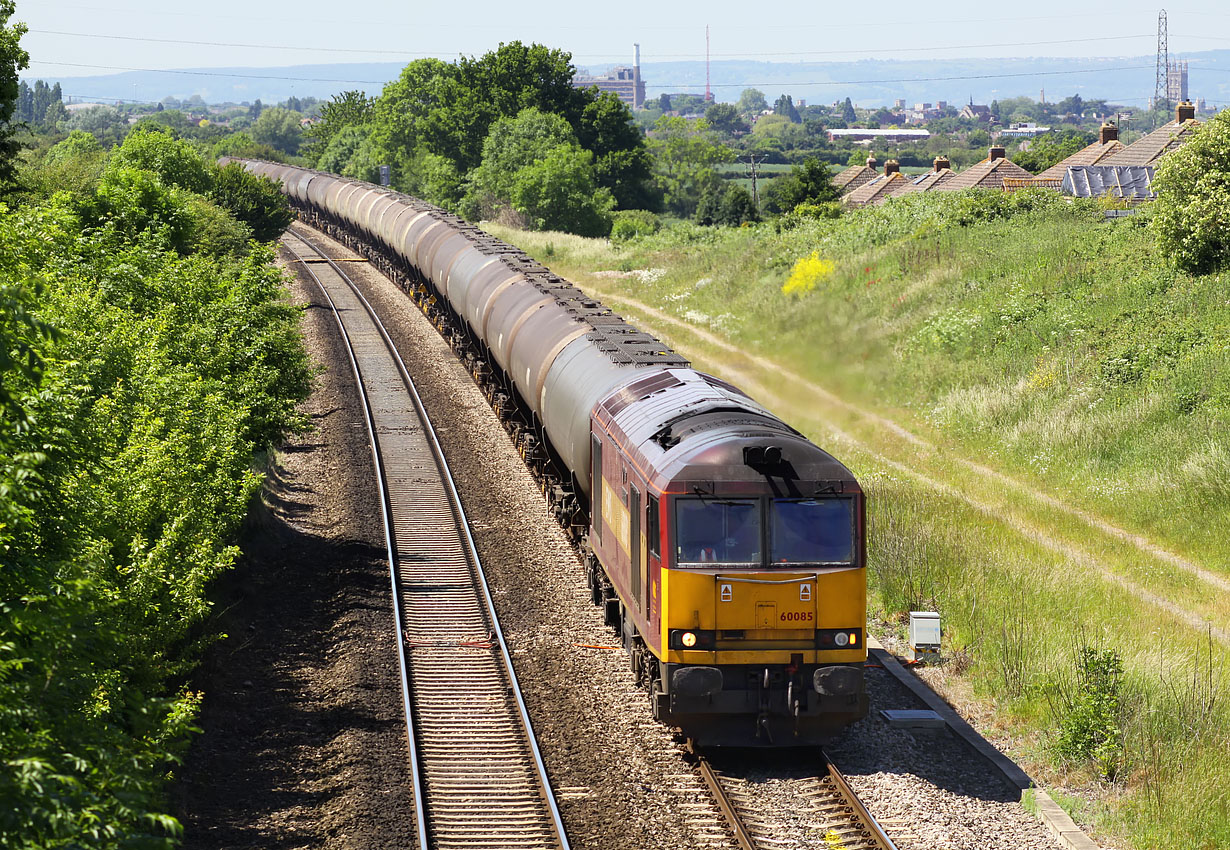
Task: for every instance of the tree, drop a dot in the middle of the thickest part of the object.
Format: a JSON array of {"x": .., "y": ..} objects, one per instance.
[
  {"x": 559, "y": 193},
  {"x": 256, "y": 201},
  {"x": 514, "y": 144},
  {"x": 12, "y": 59},
  {"x": 1044, "y": 151},
  {"x": 1193, "y": 194},
  {"x": 784, "y": 106},
  {"x": 737, "y": 207},
  {"x": 279, "y": 128},
  {"x": 349, "y": 109},
  {"x": 534, "y": 164},
  {"x": 439, "y": 111},
  {"x": 254, "y": 111},
  {"x": 751, "y": 102},
  {"x": 155, "y": 149},
  {"x": 847, "y": 112},
  {"x": 105, "y": 122},
  {"x": 606, "y": 129},
  {"x": 664, "y": 102},
  {"x": 724, "y": 118},
  {"x": 807, "y": 183},
  {"x": 684, "y": 153}
]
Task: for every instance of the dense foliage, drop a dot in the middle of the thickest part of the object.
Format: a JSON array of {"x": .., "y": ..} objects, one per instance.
[
  {"x": 12, "y": 59},
  {"x": 148, "y": 355},
  {"x": 443, "y": 128},
  {"x": 1192, "y": 211},
  {"x": 1047, "y": 150}
]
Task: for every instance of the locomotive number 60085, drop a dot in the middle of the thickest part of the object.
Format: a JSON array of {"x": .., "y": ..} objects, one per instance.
[{"x": 797, "y": 616}]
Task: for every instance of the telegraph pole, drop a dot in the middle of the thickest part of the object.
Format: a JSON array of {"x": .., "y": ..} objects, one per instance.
[{"x": 753, "y": 171}]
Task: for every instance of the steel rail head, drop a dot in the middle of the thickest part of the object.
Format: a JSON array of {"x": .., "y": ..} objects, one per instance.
[
  {"x": 724, "y": 803},
  {"x": 843, "y": 786},
  {"x": 464, "y": 525},
  {"x": 386, "y": 515}
]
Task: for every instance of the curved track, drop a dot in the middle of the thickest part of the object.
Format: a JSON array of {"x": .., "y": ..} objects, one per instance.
[
  {"x": 479, "y": 780},
  {"x": 824, "y": 798}
]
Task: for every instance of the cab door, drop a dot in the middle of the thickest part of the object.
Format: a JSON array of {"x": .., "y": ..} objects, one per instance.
[{"x": 636, "y": 547}]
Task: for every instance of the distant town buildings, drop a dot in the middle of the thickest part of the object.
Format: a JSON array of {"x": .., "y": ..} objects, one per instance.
[
  {"x": 1176, "y": 82},
  {"x": 976, "y": 111},
  {"x": 891, "y": 135},
  {"x": 1024, "y": 130},
  {"x": 622, "y": 81}
]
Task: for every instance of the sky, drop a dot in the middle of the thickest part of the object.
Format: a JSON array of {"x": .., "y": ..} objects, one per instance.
[{"x": 87, "y": 37}]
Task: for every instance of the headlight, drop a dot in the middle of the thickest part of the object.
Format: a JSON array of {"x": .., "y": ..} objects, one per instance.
[
  {"x": 841, "y": 639},
  {"x": 688, "y": 639}
]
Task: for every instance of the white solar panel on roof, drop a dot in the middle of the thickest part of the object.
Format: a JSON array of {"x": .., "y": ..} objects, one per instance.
[{"x": 1133, "y": 182}]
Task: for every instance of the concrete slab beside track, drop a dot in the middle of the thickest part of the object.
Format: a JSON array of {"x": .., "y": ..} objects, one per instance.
[{"x": 1049, "y": 812}]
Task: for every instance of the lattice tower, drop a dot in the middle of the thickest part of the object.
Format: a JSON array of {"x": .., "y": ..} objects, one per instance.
[{"x": 1161, "y": 93}]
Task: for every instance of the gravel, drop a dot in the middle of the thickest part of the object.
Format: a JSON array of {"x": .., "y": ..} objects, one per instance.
[{"x": 317, "y": 747}]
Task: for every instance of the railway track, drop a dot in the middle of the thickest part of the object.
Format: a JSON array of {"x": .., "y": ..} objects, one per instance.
[
  {"x": 479, "y": 779},
  {"x": 827, "y": 809}
]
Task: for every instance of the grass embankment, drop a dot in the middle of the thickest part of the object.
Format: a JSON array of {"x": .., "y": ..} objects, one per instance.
[{"x": 1040, "y": 411}]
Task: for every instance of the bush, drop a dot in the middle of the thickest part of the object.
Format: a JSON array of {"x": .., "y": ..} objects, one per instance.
[
  {"x": 255, "y": 201},
  {"x": 629, "y": 224},
  {"x": 1090, "y": 724},
  {"x": 1193, "y": 194},
  {"x": 176, "y": 162}
]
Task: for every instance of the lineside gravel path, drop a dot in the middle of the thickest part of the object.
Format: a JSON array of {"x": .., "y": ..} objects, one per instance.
[{"x": 622, "y": 780}]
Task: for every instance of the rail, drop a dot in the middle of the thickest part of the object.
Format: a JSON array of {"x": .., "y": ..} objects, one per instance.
[
  {"x": 478, "y": 776},
  {"x": 839, "y": 814}
]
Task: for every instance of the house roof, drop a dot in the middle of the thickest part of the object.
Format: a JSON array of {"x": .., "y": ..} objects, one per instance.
[
  {"x": 1089, "y": 155},
  {"x": 853, "y": 177},
  {"x": 877, "y": 190},
  {"x": 1148, "y": 149},
  {"x": 1133, "y": 182},
  {"x": 930, "y": 180},
  {"x": 988, "y": 174}
]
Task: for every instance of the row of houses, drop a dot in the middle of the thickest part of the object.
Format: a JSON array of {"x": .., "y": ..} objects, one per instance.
[{"x": 1106, "y": 166}]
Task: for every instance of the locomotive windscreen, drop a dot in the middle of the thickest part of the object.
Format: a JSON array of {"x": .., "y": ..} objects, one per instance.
[{"x": 811, "y": 531}]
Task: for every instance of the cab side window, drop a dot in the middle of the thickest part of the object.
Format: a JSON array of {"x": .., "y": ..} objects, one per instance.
[{"x": 652, "y": 532}]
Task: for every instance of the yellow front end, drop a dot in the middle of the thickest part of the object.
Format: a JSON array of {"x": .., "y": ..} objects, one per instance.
[{"x": 766, "y": 617}]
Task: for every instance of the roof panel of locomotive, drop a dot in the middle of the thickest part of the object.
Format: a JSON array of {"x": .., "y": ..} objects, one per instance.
[{"x": 682, "y": 425}]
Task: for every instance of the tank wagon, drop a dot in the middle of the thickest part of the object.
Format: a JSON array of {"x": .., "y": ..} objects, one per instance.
[{"x": 726, "y": 549}]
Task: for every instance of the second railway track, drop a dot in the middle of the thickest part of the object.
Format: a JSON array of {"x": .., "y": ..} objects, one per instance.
[{"x": 479, "y": 778}]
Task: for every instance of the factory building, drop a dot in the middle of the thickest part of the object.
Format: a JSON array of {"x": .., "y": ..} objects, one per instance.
[{"x": 622, "y": 81}]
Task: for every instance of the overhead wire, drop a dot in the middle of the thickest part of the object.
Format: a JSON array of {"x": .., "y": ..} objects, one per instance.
[{"x": 879, "y": 51}]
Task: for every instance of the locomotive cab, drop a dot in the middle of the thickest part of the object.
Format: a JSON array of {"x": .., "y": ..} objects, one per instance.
[{"x": 735, "y": 547}]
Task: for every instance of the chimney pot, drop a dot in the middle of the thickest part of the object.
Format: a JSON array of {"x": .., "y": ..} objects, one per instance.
[
  {"x": 891, "y": 167},
  {"x": 1108, "y": 133},
  {"x": 1185, "y": 111},
  {"x": 997, "y": 152},
  {"x": 941, "y": 162},
  {"x": 871, "y": 162}
]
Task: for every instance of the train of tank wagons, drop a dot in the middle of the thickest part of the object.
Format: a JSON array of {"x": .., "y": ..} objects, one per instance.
[{"x": 727, "y": 550}]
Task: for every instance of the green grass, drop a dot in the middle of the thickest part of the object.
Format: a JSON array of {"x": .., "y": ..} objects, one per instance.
[{"x": 1062, "y": 390}]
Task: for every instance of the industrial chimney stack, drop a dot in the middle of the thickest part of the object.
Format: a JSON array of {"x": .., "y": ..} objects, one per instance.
[{"x": 638, "y": 87}]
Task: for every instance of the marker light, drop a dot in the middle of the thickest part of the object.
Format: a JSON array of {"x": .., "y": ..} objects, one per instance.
[
  {"x": 688, "y": 639},
  {"x": 842, "y": 638},
  {"x": 853, "y": 639}
]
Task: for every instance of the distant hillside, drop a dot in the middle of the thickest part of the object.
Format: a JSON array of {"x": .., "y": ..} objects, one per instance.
[{"x": 1127, "y": 80}]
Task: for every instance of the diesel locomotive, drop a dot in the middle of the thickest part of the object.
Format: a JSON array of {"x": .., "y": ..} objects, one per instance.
[{"x": 726, "y": 549}]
